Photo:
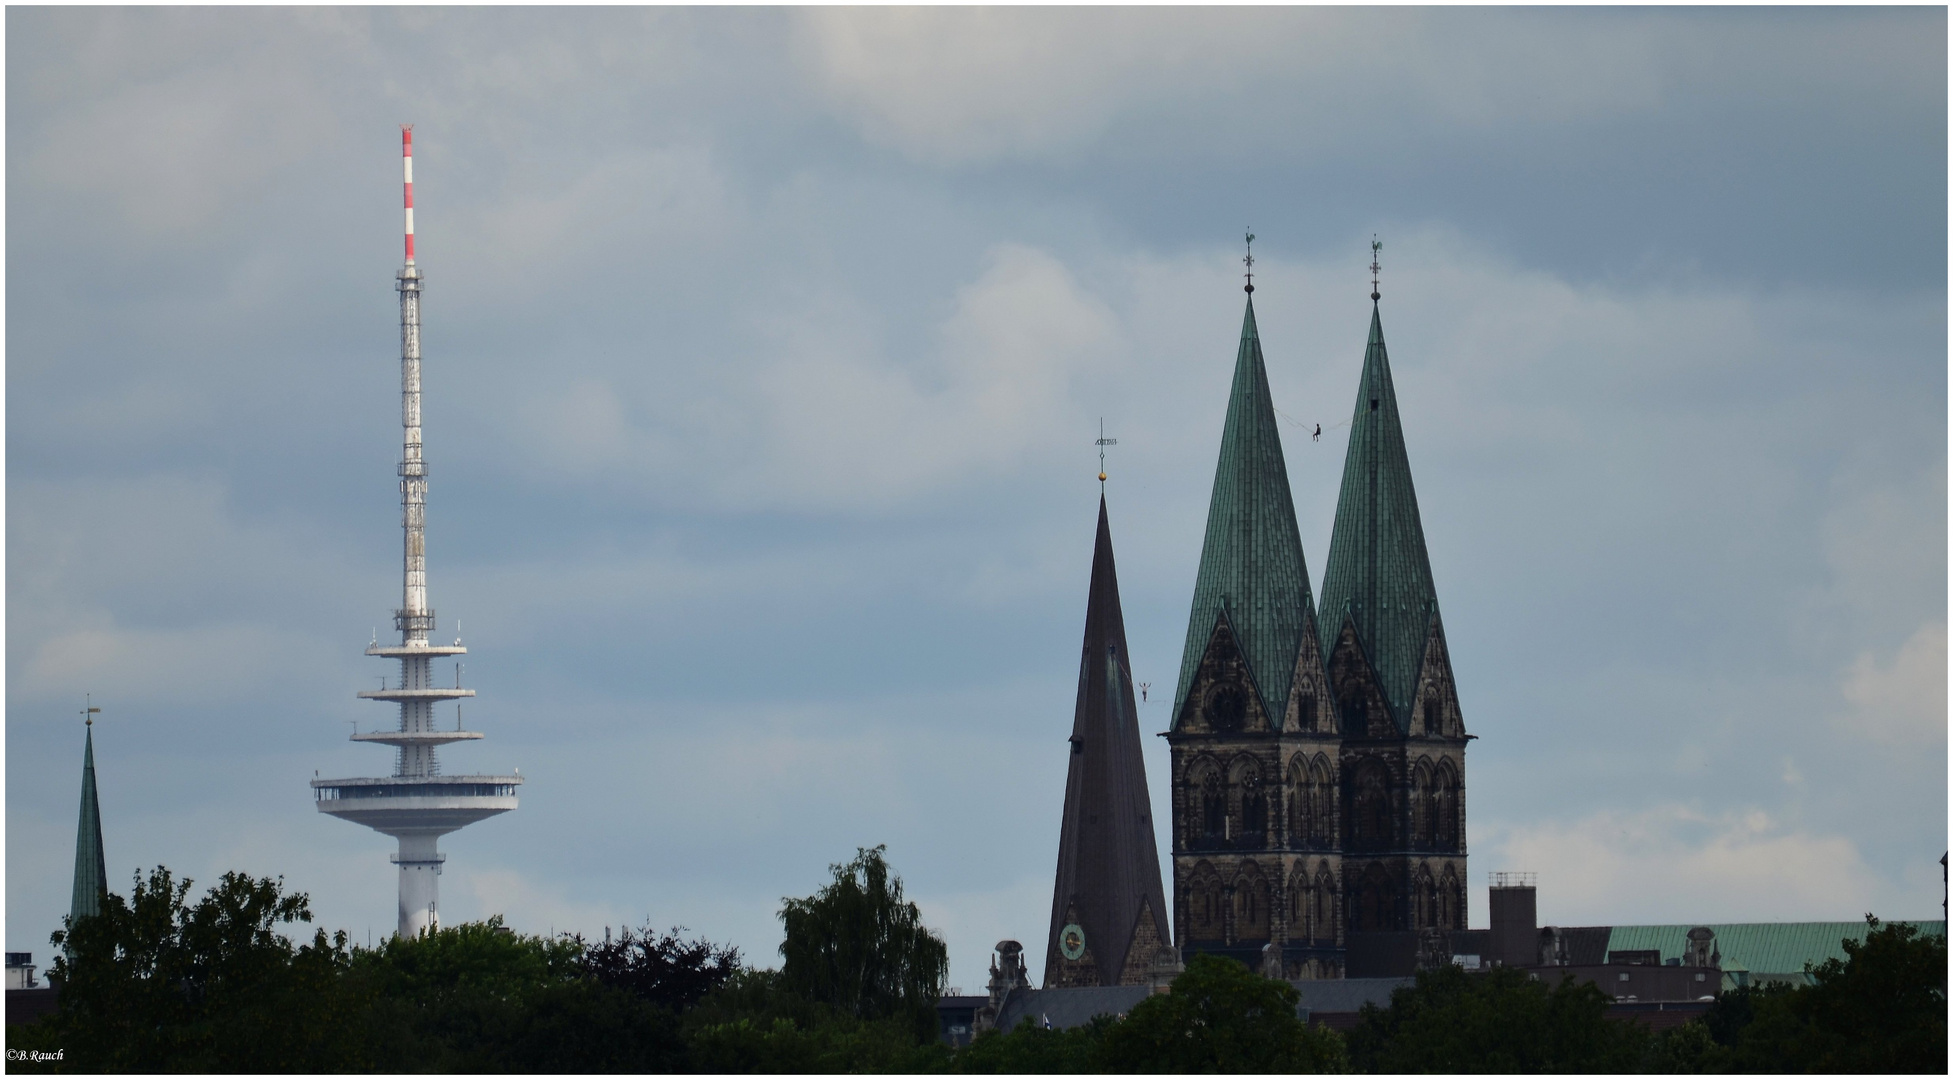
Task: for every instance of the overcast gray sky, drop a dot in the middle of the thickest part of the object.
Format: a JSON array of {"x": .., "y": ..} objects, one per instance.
[{"x": 765, "y": 351}]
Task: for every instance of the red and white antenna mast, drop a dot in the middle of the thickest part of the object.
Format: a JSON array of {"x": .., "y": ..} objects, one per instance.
[{"x": 407, "y": 172}]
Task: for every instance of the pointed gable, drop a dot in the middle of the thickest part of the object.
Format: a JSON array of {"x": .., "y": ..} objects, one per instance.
[
  {"x": 1378, "y": 578},
  {"x": 91, "y": 868},
  {"x": 1251, "y": 564},
  {"x": 1108, "y": 860}
]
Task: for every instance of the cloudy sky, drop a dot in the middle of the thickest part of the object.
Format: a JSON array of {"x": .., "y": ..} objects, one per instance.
[{"x": 765, "y": 351}]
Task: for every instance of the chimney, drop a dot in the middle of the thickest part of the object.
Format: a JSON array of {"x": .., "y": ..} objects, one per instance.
[{"x": 1515, "y": 919}]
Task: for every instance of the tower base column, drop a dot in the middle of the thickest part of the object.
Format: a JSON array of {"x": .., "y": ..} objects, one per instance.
[{"x": 420, "y": 883}]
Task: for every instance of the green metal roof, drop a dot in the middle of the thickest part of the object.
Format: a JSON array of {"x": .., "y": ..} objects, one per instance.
[
  {"x": 1379, "y": 573},
  {"x": 91, "y": 869},
  {"x": 1770, "y": 948},
  {"x": 1251, "y": 562}
]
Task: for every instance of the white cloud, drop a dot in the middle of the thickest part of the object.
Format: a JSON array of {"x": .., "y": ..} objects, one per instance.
[
  {"x": 528, "y": 906},
  {"x": 959, "y": 86},
  {"x": 1673, "y": 863},
  {"x": 1901, "y": 703},
  {"x": 190, "y": 114}
]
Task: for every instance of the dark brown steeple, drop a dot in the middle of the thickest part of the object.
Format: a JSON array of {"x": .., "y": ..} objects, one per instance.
[{"x": 1108, "y": 913}]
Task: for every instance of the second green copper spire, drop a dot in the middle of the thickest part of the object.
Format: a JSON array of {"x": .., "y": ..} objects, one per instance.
[{"x": 1379, "y": 574}]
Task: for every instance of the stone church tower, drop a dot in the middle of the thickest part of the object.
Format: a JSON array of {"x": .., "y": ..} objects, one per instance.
[
  {"x": 1309, "y": 798},
  {"x": 1108, "y": 912},
  {"x": 1402, "y": 766}
]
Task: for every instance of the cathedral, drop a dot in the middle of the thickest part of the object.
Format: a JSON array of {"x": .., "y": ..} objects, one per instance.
[
  {"x": 1317, "y": 747},
  {"x": 1318, "y": 750}
]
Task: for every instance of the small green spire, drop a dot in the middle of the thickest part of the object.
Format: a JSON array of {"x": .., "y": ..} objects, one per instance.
[
  {"x": 1251, "y": 562},
  {"x": 1379, "y": 573},
  {"x": 91, "y": 869}
]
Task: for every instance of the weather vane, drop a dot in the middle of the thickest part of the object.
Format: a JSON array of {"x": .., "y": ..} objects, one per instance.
[
  {"x": 88, "y": 709},
  {"x": 1376, "y": 265},
  {"x": 1249, "y": 261},
  {"x": 1102, "y": 444}
]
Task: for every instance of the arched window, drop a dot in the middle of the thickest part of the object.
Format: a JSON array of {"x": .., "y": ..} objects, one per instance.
[
  {"x": 1370, "y": 817},
  {"x": 1254, "y": 811},
  {"x": 1451, "y": 902},
  {"x": 1375, "y": 906},
  {"x": 1251, "y": 907},
  {"x": 1301, "y": 906},
  {"x": 1433, "y": 717},
  {"x": 1424, "y": 897},
  {"x": 1206, "y": 917},
  {"x": 1301, "y": 804},
  {"x": 1356, "y": 711},
  {"x": 1323, "y": 794},
  {"x": 1307, "y": 715},
  {"x": 1213, "y": 809},
  {"x": 1424, "y": 819},
  {"x": 1325, "y": 921},
  {"x": 1445, "y": 798}
]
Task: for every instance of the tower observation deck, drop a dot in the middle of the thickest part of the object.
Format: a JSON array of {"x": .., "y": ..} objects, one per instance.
[{"x": 417, "y": 804}]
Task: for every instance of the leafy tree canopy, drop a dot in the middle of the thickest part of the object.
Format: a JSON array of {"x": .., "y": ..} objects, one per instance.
[
  {"x": 859, "y": 946},
  {"x": 1499, "y": 1021}
]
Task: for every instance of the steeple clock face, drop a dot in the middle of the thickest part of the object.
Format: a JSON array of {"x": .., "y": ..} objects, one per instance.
[{"x": 1071, "y": 941}]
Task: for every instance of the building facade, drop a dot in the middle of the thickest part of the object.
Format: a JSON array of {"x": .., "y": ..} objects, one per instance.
[{"x": 1317, "y": 751}]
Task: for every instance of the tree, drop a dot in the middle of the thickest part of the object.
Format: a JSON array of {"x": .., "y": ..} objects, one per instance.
[
  {"x": 1220, "y": 1017},
  {"x": 1500, "y": 1021},
  {"x": 479, "y": 997},
  {"x": 661, "y": 968},
  {"x": 153, "y": 983},
  {"x": 1880, "y": 1010},
  {"x": 858, "y": 946}
]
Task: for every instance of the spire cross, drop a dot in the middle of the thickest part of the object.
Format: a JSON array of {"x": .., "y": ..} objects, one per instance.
[
  {"x": 1102, "y": 444},
  {"x": 1249, "y": 261},
  {"x": 1376, "y": 265}
]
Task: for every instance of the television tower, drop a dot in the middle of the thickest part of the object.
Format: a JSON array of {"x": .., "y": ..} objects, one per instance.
[{"x": 417, "y": 803}]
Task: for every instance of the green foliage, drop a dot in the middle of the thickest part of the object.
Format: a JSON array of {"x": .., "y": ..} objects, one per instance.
[
  {"x": 1880, "y": 1010},
  {"x": 481, "y": 998},
  {"x": 1034, "y": 1049},
  {"x": 661, "y": 968},
  {"x": 1499, "y": 1021},
  {"x": 1220, "y": 1017},
  {"x": 858, "y": 946},
  {"x": 154, "y": 983},
  {"x": 754, "y": 1023}
]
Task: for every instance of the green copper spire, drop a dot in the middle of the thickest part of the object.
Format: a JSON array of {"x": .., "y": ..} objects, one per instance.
[
  {"x": 1251, "y": 563},
  {"x": 1379, "y": 576},
  {"x": 91, "y": 869}
]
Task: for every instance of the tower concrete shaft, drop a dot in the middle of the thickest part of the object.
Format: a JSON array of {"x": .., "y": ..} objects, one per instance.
[{"x": 417, "y": 804}]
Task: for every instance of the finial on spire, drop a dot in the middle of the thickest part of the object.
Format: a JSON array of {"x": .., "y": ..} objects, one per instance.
[
  {"x": 1376, "y": 265},
  {"x": 1102, "y": 444},
  {"x": 1249, "y": 261},
  {"x": 89, "y": 709}
]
